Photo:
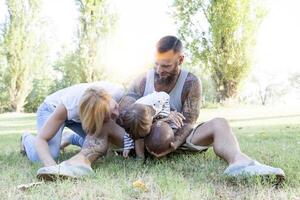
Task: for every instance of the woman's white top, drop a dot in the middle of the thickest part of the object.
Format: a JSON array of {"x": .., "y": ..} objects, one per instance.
[{"x": 70, "y": 97}]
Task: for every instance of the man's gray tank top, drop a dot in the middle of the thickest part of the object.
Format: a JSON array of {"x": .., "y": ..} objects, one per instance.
[{"x": 175, "y": 94}]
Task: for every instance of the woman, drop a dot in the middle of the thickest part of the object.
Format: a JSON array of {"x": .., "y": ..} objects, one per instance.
[{"x": 83, "y": 108}]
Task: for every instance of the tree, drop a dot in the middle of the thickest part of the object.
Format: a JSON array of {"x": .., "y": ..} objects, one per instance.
[
  {"x": 68, "y": 69},
  {"x": 96, "y": 22},
  {"x": 294, "y": 80},
  {"x": 220, "y": 35},
  {"x": 22, "y": 49}
]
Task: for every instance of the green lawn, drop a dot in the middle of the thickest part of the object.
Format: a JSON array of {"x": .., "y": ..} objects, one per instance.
[{"x": 269, "y": 134}]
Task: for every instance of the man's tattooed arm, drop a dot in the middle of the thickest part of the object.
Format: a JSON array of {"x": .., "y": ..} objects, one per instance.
[
  {"x": 135, "y": 92},
  {"x": 191, "y": 99},
  {"x": 181, "y": 135},
  {"x": 191, "y": 107},
  {"x": 94, "y": 146}
]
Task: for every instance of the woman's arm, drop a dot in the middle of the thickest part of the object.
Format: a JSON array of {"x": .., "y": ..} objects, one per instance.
[{"x": 47, "y": 132}]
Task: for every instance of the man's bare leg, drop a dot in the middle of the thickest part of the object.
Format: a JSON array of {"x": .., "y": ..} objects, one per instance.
[{"x": 218, "y": 133}]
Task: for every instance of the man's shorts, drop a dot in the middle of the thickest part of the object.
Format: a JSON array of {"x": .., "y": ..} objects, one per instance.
[{"x": 189, "y": 146}]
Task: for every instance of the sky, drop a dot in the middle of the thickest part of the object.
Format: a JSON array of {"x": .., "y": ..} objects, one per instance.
[
  {"x": 143, "y": 22},
  {"x": 278, "y": 42}
]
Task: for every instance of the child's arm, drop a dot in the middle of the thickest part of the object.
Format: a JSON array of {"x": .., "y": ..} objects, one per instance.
[{"x": 140, "y": 148}]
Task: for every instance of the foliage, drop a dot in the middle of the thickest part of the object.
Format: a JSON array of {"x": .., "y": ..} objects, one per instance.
[
  {"x": 264, "y": 88},
  {"x": 208, "y": 91},
  {"x": 294, "y": 79},
  {"x": 4, "y": 97},
  {"x": 96, "y": 22},
  {"x": 67, "y": 68},
  {"x": 220, "y": 35},
  {"x": 41, "y": 87},
  {"x": 24, "y": 49}
]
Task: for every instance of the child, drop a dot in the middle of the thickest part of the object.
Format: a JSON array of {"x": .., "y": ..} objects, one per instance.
[{"x": 137, "y": 119}]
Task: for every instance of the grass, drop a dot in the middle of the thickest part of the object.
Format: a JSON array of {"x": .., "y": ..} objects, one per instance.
[{"x": 269, "y": 134}]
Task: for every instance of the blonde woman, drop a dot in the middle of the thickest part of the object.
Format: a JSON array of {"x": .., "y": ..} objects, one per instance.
[{"x": 84, "y": 108}]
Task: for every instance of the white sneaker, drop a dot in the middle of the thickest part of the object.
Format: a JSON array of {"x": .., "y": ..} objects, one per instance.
[
  {"x": 63, "y": 171},
  {"x": 253, "y": 169}
]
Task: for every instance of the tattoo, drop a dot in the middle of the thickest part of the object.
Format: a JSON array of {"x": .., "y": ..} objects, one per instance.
[
  {"x": 135, "y": 92},
  {"x": 125, "y": 102},
  {"x": 137, "y": 88},
  {"x": 94, "y": 147},
  {"x": 191, "y": 98},
  {"x": 182, "y": 134}
]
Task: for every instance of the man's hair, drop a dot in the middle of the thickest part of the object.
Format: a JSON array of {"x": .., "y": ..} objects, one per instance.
[
  {"x": 136, "y": 120},
  {"x": 169, "y": 43},
  {"x": 94, "y": 110}
]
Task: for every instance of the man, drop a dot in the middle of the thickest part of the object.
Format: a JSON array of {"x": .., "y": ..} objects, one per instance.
[{"x": 184, "y": 89}]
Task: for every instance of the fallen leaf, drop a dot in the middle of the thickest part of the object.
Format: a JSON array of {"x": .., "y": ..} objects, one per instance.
[{"x": 139, "y": 184}]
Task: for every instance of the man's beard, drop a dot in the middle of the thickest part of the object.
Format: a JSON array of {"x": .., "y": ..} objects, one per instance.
[{"x": 169, "y": 78}]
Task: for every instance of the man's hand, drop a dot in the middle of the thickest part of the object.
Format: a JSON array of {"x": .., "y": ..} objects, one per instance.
[{"x": 176, "y": 118}]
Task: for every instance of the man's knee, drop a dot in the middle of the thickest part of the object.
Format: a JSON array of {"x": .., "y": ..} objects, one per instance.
[{"x": 219, "y": 124}]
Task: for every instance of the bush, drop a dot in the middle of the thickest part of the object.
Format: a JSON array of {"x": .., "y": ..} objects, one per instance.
[{"x": 40, "y": 89}]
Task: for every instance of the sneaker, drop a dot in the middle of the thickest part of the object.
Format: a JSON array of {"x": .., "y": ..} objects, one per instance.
[
  {"x": 63, "y": 171},
  {"x": 254, "y": 169}
]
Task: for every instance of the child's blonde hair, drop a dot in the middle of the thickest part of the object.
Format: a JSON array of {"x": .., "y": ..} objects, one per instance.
[
  {"x": 94, "y": 110},
  {"x": 137, "y": 120}
]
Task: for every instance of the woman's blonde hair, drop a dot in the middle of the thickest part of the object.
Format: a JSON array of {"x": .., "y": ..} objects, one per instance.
[
  {"x": 94, "y": 110},
  {"x": 137, "y": 120}
]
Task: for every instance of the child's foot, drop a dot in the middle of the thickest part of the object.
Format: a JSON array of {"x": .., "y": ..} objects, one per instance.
[{"x": 66, "y": 139}]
